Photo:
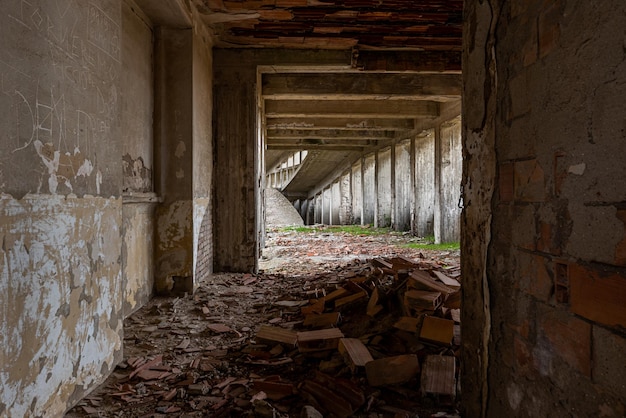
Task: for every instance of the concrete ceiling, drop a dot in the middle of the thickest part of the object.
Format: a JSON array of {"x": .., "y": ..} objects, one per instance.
[{"x": 405, "y": 71}]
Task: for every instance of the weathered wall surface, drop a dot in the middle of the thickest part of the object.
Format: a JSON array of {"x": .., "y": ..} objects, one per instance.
[
  {"x": 60, "y": 293},
  {"x": 137, "y": 156},
  {"x": 403, "y": 200},
  {"x": 384, "y": 189},
  {"x": 357, "y": 197},
  {"x": 425, "y": 183},
  {"x": 60, "y": 145},
  {"x": 173, "y": 160},
  {"x": 369, "y": 190},
  {"x": 451, "y": 171},
  {"x": 202, "y": 154},
  {"x": 544, "y": 267}
]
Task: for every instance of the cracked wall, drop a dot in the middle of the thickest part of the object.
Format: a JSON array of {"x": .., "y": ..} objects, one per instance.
[{"x": 544, "y": 310}]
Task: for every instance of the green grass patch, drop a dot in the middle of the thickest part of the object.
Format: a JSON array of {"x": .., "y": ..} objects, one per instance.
[{"x": 430, "y": 245}]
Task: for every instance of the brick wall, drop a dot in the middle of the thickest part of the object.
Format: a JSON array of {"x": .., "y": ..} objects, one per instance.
[{"x": 556, "y": 302}]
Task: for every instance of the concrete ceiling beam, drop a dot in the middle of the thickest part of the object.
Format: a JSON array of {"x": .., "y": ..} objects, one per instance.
[
  {"x": 340, "y": 123},
  {"x": 328, "y": 133},
  {"x": 368, "y": 86},
  {"x": 391, "y": 109}
]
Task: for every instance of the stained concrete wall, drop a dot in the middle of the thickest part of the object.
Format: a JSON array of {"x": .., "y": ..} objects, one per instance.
[
  {"x": 61, "y": 179},
  {"x": 173, "y": 160},
  {"x": 384, "y": 201},
  {"x": 450, "y": 184},
  {"x": 139, "y": 198},
  {"x": 425, "y": 183},
  {"x": 357, "y": 196},
  {"x": 544, "y": 267},
  {"x": 345, "y": 193},
  {"x": 369, "y": 190},
  {"x": 404, "y": 192},
  {"x": 335, "y": 196}
]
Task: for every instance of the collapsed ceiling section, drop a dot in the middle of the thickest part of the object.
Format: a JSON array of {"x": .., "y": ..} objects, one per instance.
[{"x": 429, "y": 25}]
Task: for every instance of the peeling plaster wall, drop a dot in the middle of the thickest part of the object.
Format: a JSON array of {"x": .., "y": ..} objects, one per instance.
[
  {"x": 60, "y": 299},
  {"x": 544, "y": 191},
  {"x": 137, "y": 160},
  {"x": 61, "y": 290},
  {"x": 425, "y": 183},
  {"x": 174, "y": 162}
]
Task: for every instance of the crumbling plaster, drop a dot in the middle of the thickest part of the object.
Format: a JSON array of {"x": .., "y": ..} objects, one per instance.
[{"x": 60, "y": 281}]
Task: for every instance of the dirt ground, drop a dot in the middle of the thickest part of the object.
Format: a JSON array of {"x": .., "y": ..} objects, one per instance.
[{"x": 199, "y": 355}]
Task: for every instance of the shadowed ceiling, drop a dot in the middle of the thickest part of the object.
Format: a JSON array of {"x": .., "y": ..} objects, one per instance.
[{"x": 403, "y": 75}]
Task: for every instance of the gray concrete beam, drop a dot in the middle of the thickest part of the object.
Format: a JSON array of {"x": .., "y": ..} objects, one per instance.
[
  {"x": 351, "y": 109},
  {"x": 376, "y": 85},
  {"x": 340, "y": 123}
]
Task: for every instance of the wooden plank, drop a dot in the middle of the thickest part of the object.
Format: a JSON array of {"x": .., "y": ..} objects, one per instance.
[
  {"x": 276, "y": 334},
  {"x": 420, "y": 279},
  {"x": 437, "y": 330},
  {"x": 439, "y": 375},
  {"x": 349, "y": 299},
  {"x": 392, "y": 370},
  {"x": 373, "y": 307},
  {"x": 328, "y": 399},
  {"x": 448, "y": 281},
  {"x": 422, "y": 300},
  {"x": 407, "y": 323},
  {"x": 354, "y": 352},
  {"x": 321, "y": 320},
  {"x": 319, "y": 340},
  {"x": 317, "y": 306}
]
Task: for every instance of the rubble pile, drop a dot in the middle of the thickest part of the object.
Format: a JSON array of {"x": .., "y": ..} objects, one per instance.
[{"x": 374, "y": 338}]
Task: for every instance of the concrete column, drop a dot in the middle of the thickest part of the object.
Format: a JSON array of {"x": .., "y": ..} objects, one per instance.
[
  {"x": 413, "y": 188},
  {"x": 362, "y": 190},
  {"x": 394, "y": 209},
  {"x": 376, "y": 195},
  {"x": 173, "y": 160},
  {"x": 438, "y": 221}
]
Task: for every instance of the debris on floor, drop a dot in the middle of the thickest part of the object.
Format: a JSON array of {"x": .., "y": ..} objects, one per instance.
[
  {"x": 314, "y": 345},
  {"x": 371, "y": 338}
]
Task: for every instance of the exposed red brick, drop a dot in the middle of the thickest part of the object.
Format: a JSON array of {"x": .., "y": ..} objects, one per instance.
[
  {"x": 536, "y": 279},
  {"x": 530, "y": 183},
  {"x": 570, "y": 338},
  {"x": 549, "y": 30},
  {"x": 522, "y": 352},
  {"x": 598, "y": 295}
]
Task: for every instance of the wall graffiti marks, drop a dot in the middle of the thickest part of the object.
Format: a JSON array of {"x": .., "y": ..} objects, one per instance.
[{"x": 103, "y": 32}]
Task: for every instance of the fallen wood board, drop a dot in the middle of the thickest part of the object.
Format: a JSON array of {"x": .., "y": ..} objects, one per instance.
[
  {"x": 407, "y": 323},
  {"x": 321, "y": 320},
  {"x": 453, "y": 301},
  {"x": 319, "y": 340},
  {"x": 422, "y": 300},
  {"x": 328, "y": 399},
  {"x": 373, "y": 307},
  {"x": 421, "y": 280},
  {"x": 392, "y": 370},
  {"x": 439, "y": 375},
  {"x": 437, "y": 330},
  {"x": 316, "y": 306},
  {"x": 274, "y": 390},
  {"x": 354, "y": 352},
  {"x": 349, "y": 299},
  {"x": 336, "y": 294},
  {"x": 448, "y": 281},
  {"x": 276, "y": 334}
]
